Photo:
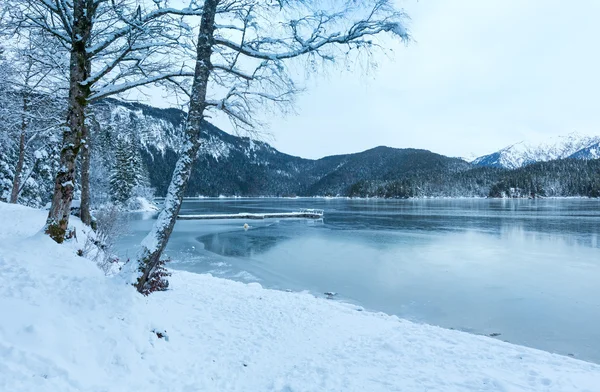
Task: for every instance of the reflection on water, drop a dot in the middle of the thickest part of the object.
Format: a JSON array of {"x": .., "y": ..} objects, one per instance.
[
  {"x": 236, "y": 245},
  {"x": 525, "y": 269}
]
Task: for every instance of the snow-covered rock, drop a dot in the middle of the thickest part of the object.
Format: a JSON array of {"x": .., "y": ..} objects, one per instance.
[
  {"x": 523, "y": 153},
  {"x": 65, "y": 326}
]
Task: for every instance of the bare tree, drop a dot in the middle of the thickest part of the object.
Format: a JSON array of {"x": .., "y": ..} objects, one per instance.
[
  {"x": 35, "y": 83},
  {"x": 113, "y": 46},
  {"x": 30, "y": 110},
  {"x": 243, "y": 51},
  {"x": 8, "y": 122}
]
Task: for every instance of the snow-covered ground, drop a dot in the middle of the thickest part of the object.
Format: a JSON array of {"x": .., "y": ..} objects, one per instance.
[{"x": 64, "y": 326}]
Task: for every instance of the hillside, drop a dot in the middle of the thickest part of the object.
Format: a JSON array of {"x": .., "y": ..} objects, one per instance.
[
  {"x": 380, "y": 164},
  {"x": 232, "y": 165},
  {"x": 239, "y": 166},
  {"x": 559, "y": 178}
]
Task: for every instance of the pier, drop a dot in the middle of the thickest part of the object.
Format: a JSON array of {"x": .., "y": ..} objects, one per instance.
[{"x": 307, "y": 213}]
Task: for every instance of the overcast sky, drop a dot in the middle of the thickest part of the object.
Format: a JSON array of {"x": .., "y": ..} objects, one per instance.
[{"x": 480, "y": 74}]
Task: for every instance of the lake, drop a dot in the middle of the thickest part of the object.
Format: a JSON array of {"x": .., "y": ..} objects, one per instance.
[{"x": 524, "y": 271}]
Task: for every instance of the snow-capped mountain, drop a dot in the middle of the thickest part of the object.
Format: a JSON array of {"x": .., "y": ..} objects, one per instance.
[
  {"x": 573, "y": 145},
  {"x": 590, "y": 152}
]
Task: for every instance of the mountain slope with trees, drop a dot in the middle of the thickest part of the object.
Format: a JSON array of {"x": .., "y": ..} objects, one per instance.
[
  {"x": 239, "y": 166},
  {"x": 232, "y": 165},
  {"x": 147, "y": 139}
]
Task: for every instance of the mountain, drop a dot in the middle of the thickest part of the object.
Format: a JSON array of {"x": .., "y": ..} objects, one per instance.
[
  {"x": 590, "y": 152},
  {"x": 239, "y": 166},
  {"x": 524, "y": 153},
  {"x": 563, "y": 177},
  {"x": 226, "y": 164},
  {"x": 232, "y": 165},
  {"x": 557, "y": 178},
  {"x": 338, "y": 173}
]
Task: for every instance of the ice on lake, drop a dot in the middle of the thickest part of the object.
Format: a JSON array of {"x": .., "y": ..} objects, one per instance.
[{"x": 525, "y": 271}]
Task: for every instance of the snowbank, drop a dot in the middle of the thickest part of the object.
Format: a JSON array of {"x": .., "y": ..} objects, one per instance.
[{"x": 64, "y": 326}]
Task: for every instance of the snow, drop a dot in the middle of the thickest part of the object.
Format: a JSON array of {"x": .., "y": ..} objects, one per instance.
[
  {"x": 399, "y": 30},
  {"x": 65, "y": 326},
  {"x": 514, "y": 156},
  {"x": 141, "y": 204},
  {"x": 152, "y": 132},
  {"x": 40, "y": 154},
  {"x": 215, "y": 147},
  {"x": 283, "y": 173}
]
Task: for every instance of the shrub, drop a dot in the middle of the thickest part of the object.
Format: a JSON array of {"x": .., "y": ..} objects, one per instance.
[{"x": 157, "y": 281}]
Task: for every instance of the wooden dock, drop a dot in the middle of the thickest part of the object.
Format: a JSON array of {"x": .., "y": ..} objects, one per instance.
[{"x": 305, "y": 213}]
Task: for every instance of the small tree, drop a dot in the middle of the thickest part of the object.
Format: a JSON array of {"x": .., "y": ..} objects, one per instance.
[
  {"x": 122, "y": 178},
  {"x": 127, "y": 173},
  {"x": 243, "y": 51}
]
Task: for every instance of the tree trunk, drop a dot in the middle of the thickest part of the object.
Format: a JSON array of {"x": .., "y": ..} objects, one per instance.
[
  {"x": 84, "y": 210},
  {"x": 14, "y": 196},
  {"x": 16, "y": 187},
  {"x": 64, "y": 185},
  {"x": 85, "y": 214},
  {"x": 156, "y": 241}
]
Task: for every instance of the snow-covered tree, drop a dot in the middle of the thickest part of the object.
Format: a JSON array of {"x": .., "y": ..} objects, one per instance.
[
  {"x": 113, "y": 46},
  {"x": 127, "y": 173},
  {"x": 242, "y": 58},
  {"x": 122, "y": 178},
  {"x": 30, "y": 117},
  {"x": 7, "y": 142}
]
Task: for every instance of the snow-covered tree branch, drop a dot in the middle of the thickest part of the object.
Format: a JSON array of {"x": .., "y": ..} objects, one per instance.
[
  {"x": 242, "y": 58},
  {"x": 113, "y": 46},
  {"x": 28, "y": 109}
]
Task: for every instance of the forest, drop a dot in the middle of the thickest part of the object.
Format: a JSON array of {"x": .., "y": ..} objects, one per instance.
[{"x": 559, "y": 178}]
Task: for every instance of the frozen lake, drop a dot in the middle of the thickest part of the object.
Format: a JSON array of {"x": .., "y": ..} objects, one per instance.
[{"x": 528, "y": 270}]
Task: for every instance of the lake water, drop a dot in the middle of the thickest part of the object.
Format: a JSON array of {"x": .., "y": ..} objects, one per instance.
[{"x": 528, "y": 270}]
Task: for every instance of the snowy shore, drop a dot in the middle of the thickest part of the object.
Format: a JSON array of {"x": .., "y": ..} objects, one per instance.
[
  {"x": 414, "y": 198},
  {"x": 64, "y": 326}
]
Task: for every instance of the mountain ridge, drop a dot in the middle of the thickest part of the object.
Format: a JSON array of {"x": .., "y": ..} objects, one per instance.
[
  {"x": 231, "y": 165},
  {"x": 234, "y": 165},
  {"x": 572, "y": 145},
  {"x": 240, "y": 166}
]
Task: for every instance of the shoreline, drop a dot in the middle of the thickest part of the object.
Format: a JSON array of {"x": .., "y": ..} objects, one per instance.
[
  {"x": 71, "y": 328},
  {"x": 214, "y": 198}
]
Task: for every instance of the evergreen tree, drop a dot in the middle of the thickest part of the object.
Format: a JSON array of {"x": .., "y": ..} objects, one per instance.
[
  {"x": 6, "y": 169},
  {"x": 129, "y": 175},
  {"x": 123, "y": 177}
]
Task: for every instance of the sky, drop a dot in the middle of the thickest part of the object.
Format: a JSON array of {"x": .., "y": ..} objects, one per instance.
[{"x": 478, "y": 76}]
